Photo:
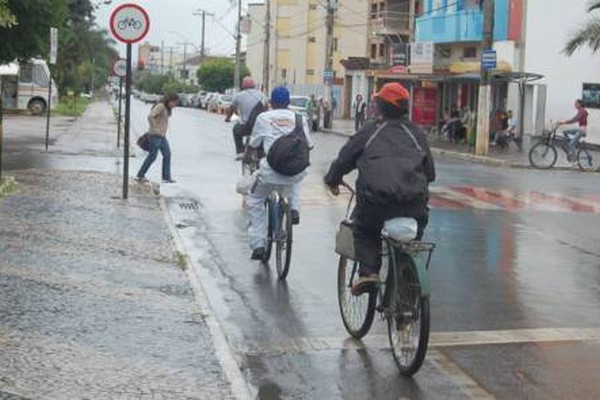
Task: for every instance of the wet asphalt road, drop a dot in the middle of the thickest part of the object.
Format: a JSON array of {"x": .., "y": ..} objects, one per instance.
[
  {"x": 517, "y": 256},
  {"x": 516, "y": 278}
]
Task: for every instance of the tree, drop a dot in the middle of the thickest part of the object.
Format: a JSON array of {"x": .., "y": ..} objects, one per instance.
[
  {"x": 7, "y": 18},
  {"x": 588, "y": 34},
  {"x": 218, "y": 75}
]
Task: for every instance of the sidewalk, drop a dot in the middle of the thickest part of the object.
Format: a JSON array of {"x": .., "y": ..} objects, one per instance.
[
  {"x": 94, "y": 301},
  {"x": 513, "y": 158}
]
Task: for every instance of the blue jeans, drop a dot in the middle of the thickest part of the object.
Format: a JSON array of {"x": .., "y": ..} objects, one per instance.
[
  {"x": 573, "y": 136},
  {"x": 158, "y": 143}
]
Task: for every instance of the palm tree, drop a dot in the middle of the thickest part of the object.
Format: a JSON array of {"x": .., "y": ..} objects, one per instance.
[{"x": 588, "y": 34}]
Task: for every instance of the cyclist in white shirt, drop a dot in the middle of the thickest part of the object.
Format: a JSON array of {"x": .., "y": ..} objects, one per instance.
[{"x": 270, "y": 126}]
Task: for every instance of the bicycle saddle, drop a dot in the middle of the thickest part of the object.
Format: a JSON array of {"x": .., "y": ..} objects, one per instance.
[{"x": 400, "y": 229}]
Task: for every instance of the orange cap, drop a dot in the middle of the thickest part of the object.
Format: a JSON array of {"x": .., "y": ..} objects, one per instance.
[{"x": 393, "y": 93}]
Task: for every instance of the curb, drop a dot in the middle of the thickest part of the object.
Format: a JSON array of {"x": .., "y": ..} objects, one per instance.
[{"x": 223, "y": 350}]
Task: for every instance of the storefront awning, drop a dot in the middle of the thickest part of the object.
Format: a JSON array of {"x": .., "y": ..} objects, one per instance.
[
  {"x": 11, "y": 69},
  {"x": 499, "y": 76}
]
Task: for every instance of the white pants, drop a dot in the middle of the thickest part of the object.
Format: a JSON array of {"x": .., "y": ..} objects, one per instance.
[{"x": 258, "y": 211}]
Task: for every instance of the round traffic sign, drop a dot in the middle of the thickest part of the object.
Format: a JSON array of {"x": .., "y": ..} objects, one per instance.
[
  {"x": 119, "y": 68},
  {"x": 129, "y": 23}
]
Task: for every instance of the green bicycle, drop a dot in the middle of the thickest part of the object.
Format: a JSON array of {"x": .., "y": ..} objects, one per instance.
[{"x": 402, "y": 296}]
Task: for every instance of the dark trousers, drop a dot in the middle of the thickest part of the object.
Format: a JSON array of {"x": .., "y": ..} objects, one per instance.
[
  {"x": 327, "y": 119},
  {"x": 157, "y": 143},
  {"x": 238, "y": 137},
  {"x": 368, "y": 222},
  {"x": 359, "y": 121}
]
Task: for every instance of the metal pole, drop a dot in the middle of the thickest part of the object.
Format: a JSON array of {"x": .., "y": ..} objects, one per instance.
[
  {"x": 238, "y": 42},
  {"x": 267, "y": 47},
  {"x": 120, "y": 112},
  {"x": 328, "y": 73},
  {"x": 485, "y": 91},
  {"x": 162, "y": 57},
  {"x": 202, "y": 48},
  {"x": 1, "y": 124},
  {"x": 127, "y": 123},
  {"x": 48, "y": 111}
]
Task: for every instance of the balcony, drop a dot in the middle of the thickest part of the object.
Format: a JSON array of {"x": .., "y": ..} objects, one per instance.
[
  {"x": 462, "y": 26},
  {"x": 387, "y": 23}
]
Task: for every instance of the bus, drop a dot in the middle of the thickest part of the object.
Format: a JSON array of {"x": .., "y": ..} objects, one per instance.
[{"x": 25, "y": 86}]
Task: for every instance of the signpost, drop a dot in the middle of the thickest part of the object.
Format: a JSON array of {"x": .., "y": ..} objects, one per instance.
[
  {"x": 53, "y": 56},
  {"x": 129, "y": 24},
  {"x": 488, "y": 60},
  {"x": 119, "y": 69}
]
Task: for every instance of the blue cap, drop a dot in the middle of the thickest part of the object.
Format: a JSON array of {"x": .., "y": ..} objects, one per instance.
[{"x": 280, "y": 96}]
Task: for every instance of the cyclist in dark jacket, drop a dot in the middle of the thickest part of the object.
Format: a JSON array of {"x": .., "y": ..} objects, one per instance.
[{"x": 395, "y": 168}]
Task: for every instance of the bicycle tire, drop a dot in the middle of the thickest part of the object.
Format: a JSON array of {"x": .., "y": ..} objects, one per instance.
[
  {"x": 269, "y": 247},
  {"x": 283, "y": 245},
  {"x": 357, "y": 312},
  {"x": 544, "y": 150},
  {"x": 402, "y": 322},
  {"x": 585, "y": 161},
  {"x": 122, "y": 25}
]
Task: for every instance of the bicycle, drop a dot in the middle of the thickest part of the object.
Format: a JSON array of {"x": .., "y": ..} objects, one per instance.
[
  {"x": 544, "y": 154},
  {"x": 280, "y": 232},
  {"x": 250, "y": 159},
  {"x": 401, "y": 297},
  {"x": 130, "y": 23}
]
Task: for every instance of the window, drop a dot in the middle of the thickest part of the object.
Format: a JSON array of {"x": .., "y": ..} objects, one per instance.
[
  {"x": 470, "y": 52},
  {"x": 312, "y": 7},
  {"x": 26, "y": 73},
  {"x": 283, "y": 73},
  {"x": 312, "y": 39},
  {"x": 310, "y": 72},
  {"x": 374, "y": 50},
  {"x": 335, "y": 44},
  {"x": 40, "y": 77},
  {"x": 382, "y": 50},
  {"x": 460, "y": 5},
  {"x": 591, "y": 95},
  {"x": 374, "y": 12}
]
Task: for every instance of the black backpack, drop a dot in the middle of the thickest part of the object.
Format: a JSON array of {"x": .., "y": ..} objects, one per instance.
[
  {"x": 391, "y": 168},
  {"x": 249, "y": 124},
  {"x": 289, "y": 155}
]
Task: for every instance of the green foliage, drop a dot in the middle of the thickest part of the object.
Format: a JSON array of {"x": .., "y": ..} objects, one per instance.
[
  {"x": 218, "y": 75},
  {"x": 588, "y": 34},
  {"x": 7, "y": 18},
  {"x": 30, "y": 36},
  {"x": 161, "y": 84},
  {"x": 71, "y": 106}
]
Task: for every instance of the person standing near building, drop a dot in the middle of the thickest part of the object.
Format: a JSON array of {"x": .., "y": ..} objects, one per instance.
[
  {"x": 360, "y": 109},
  {"x": 327, "y": 113},
  {"x": 157, "y": 137}
]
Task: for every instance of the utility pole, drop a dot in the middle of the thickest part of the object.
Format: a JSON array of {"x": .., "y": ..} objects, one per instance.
[
  {"x": 328, "y": 72},
  {"x": 485, "y": 89},
  {"x": 238, "y": 44},
  {"x": 267, "y": 47},
  {"x": 276, "y": 50},
  {"x": 162, "y": 57},
  {"x": 171, "y": 61},
  {"x": 203, "y": 14}
]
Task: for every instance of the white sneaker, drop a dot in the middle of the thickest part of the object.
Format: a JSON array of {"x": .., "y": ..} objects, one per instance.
[{"x": 239, "y": 156}]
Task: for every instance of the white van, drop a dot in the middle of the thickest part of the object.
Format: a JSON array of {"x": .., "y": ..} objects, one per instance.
[{"x": 25, "y": 86}]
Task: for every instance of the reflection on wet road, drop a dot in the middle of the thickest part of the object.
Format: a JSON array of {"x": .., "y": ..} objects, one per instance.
[{"x": 516, "y": 280}]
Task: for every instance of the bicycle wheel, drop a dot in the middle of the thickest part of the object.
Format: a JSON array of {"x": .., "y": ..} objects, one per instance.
[
  {"x": 543, "y": 155},
  {"x": 588, "y": 161},
  {"x": 270, "y": 229},
  {"x": 408, "y": 321},
  {"x": 357, "y": 311},
  {"x": 284, "y": 236}
]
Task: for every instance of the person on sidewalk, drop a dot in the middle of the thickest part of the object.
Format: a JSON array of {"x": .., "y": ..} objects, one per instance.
[
  {"x": 576, "y": 134},
  {"x": 314, "y": 113},
  {"x": 271, "y": 126},
  {"x": 248, "y": 104},
  {"x": 159, "y": 124},
  {"x": 395, "y": 168},
  {"x": 327, "y": 113},
  {"x": 360, "y": 109}
]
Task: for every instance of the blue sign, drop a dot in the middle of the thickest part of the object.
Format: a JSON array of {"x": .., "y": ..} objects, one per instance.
[{"x": 488, "y": 59}]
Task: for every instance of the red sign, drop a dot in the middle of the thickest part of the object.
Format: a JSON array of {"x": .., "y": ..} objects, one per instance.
[
  {"x": 398, "y": 69},
  {"x": 424, "y": 106},
  {"x": 129, "y": 23}
]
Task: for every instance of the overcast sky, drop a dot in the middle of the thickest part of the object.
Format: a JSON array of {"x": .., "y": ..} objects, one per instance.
[{"x": 167, "y": 16}]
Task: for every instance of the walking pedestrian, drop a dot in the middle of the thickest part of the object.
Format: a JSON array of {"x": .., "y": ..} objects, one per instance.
[
  {"x": 360, "y": 108},
  {"x": 157, "y": 136}
]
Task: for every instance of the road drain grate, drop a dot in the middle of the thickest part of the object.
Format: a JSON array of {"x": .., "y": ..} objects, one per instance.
[{"x": 191, "y": 205}]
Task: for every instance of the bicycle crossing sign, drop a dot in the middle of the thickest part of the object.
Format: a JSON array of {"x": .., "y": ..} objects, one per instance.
[
  {"x": 119, "y": 68},
  {"x": 129, "y": 23}
]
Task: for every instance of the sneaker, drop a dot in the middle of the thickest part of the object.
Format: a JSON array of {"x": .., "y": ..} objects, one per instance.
[
  {"x": 258, "y": 254},
  {"x": 295, "y": 217},
  {"x": 169, "y": 181},
  {"x": 141, "y": 179},
  {"x": 365, "y": 284},
  {"x": 239, "y": 156}
]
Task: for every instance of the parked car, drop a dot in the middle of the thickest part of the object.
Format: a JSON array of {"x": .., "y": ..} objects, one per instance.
[
  {"x": 183, "y": 100},
  {"x": 224, "y": 103},
  {"x": 209, "y": 99}
]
